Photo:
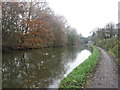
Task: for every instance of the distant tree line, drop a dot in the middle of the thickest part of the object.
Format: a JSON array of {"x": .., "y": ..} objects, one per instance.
[
  {"x": 34, "y": 25},
  {"x": 109, "y": 31}
]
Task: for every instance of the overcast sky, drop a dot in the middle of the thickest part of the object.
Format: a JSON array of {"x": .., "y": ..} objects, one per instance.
[{"x": 86, "y": 15}]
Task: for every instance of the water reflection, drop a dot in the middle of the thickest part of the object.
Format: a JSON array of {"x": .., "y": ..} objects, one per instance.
[{"x": 39, "y": 68}]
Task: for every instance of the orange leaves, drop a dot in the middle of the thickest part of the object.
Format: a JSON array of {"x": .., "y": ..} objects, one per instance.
[
  {"x": 34, "y": 32},
  {"x": 34, "y": 40},
  {"x": 37, "y": 26},
  {"x": 23, "y": 35},
  {"x": 46, "y": 30},
  {"x": 35, "y": 22}
]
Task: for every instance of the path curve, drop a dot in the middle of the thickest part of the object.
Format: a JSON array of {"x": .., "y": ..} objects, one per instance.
[{"x": 106, "y": 74}]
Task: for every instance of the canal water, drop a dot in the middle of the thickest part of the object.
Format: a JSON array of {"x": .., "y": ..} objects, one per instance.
[{"x": 40, "y": 68}]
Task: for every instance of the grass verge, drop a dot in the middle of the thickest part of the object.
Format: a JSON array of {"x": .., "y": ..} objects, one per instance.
[
  {"x": 77, "y": 78},
  {"x": 116, "y": 57}
]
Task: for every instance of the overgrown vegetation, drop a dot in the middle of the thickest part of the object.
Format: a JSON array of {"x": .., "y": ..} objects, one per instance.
[
  {"x": 77, "y": 78},
  {"x": 34, "y": 25},
  {"x": 107, "y": 38}
]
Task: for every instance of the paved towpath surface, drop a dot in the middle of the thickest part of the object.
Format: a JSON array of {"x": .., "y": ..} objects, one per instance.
[{"x": 106, "y": 74}]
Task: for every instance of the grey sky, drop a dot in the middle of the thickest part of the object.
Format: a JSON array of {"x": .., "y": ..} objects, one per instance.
[{"x": 86, "y": 15}]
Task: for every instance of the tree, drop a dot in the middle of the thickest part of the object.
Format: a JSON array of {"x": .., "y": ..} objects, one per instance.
[
  {"x": 34, "y": 25},
  {"x": 10, "y": 20},
  {"x": 110, "y": 29}
]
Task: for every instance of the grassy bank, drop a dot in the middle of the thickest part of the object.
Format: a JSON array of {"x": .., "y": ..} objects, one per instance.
[
  {"x": 77, "y": 78},
  {"x": 116, "y": 57}
]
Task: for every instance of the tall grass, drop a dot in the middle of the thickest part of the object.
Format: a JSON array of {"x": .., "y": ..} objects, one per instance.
[{"x": 77, "y": 78}]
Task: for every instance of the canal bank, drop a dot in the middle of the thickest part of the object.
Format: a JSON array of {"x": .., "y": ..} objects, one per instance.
[{"x": 77, "y": 78}]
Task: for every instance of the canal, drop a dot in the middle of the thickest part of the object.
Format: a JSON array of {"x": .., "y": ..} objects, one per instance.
[{"x": 40, "y": 68}]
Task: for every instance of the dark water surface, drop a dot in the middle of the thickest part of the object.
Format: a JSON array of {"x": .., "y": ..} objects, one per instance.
[{"x": 40, "y": 68}]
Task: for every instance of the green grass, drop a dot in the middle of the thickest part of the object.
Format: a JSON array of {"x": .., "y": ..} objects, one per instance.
[
  {"x": 116, "y": 58},
  {"x": 77, "y": 78}
]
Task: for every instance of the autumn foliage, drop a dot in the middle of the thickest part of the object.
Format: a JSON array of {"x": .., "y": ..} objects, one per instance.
[{"x": 34, "y": 25}]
